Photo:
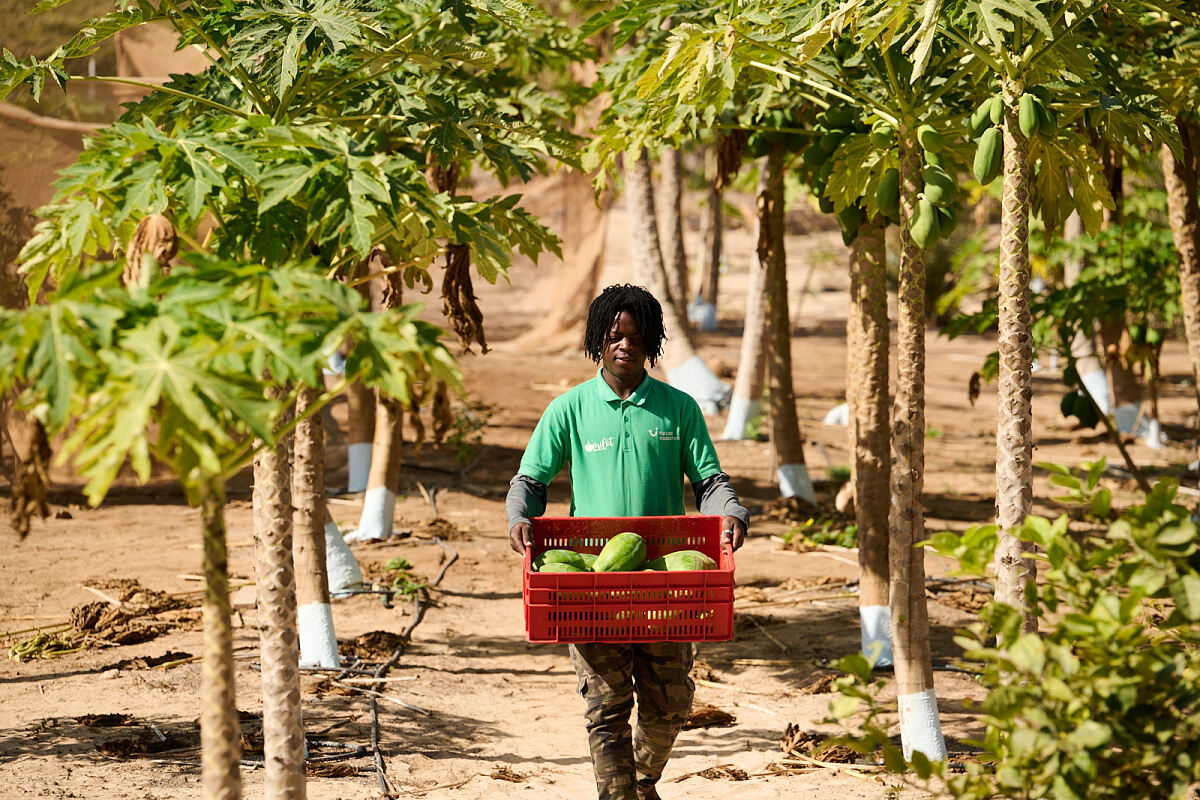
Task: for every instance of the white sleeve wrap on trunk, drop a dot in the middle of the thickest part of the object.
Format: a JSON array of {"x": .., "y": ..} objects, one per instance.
[
  {"x": 920, "y": 728},
  {"x": 340, "y": 564},
  {"x": 694, "y": 377},
  {"x": 318, "y": 645},
  {"x": 876, "y": 634}
]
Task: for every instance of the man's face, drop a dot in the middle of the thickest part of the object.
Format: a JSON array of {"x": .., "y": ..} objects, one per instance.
[{"x": 624, "y": 353}]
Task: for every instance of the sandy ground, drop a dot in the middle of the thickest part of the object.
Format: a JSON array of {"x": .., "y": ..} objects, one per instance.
[{"x": 503, "y": 718}]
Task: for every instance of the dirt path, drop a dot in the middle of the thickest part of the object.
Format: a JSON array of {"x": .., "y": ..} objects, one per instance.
[{"x": 503, "y": 717}]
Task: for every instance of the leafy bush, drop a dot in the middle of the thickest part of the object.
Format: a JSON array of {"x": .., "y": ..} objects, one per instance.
[{"x": 1104, "y": 702}]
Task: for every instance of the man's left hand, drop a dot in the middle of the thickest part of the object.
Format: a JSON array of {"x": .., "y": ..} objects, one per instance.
[{"x": 733, "y": 531}]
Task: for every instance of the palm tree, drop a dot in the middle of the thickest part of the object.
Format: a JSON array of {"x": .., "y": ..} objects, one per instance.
[{"x": 868, "y": 337}]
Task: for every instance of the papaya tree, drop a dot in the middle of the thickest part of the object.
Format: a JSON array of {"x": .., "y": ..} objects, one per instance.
[
  {"x": 640, "y": 32},
  {"x": 305, "y": 138},
  {"x": 168, "y": 372}
]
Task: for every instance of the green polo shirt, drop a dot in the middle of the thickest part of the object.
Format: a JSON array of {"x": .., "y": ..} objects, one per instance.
[{"x": 627, "y": 457}]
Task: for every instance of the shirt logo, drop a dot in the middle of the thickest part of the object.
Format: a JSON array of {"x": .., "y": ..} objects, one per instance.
[
  {"x": 663, "y": 436},
  {"x": 595, "y": 447}
]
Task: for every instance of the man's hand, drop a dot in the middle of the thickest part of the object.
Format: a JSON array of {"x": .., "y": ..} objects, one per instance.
[
  {"x": 732, "y": 531},
  {"x": 520, "y": 537}
]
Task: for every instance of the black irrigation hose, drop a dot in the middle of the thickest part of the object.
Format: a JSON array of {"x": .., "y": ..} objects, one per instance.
[
  {"x": 348, "y": 751},
  {"x": 453, "y": 557}
]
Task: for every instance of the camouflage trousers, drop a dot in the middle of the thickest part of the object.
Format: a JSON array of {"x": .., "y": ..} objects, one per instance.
[{"x": 610, "y": 677}]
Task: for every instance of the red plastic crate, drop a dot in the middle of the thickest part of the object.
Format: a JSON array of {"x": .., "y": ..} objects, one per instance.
[{"x": 656, "y": 606}]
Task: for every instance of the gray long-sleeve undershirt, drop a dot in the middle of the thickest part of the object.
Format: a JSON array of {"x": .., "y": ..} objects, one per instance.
[{"x": 714, "y": 496}]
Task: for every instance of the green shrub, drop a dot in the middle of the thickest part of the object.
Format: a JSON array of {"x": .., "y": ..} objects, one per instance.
[{"x": 1103, "y": 702}]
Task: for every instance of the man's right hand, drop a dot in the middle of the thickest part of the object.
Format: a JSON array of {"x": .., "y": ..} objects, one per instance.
[{"x": 520, "y": 537}]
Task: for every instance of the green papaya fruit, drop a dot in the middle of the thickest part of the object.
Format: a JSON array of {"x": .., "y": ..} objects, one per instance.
[
  {"x": 1088, "y": 418},
  {"x": 1041, "y": 93},
  {"x": 939, "y": 186},
  {"x": 1067, "y": 404},
  {"x": 624, "y": 552},
  {"x": 933, "y": 159},
  {"x": 558, "y": 566},
  {"x": 1047, "y": 124},
  {"x": 825, "y": 204},
  {"x": 887, "y": 195},
  {"x": 830, "y": 141},
  {"x": 929, "y": 138},
  {"x": 682, "y": 560},
  {"x": 756, "y": 145},
  {"x": 883, "y": 135},
  {"x": 924, "y": 225},
  {"x": 947, "y": 222},
  {"x": 1137, "y": 333},
  {"x": 1027, "y": 116},
  {"x": 996, "y": 109},
  {"x": 1070, "y": 375},
  {"x": 849, "y": 219},
  {"x": 980, "y": 119},
  {"x": 989, "y": 156},
  {"x": 559, "y": 556},
  {"x": 837, "y": 117},
  {"x": 813, "y": 156}
]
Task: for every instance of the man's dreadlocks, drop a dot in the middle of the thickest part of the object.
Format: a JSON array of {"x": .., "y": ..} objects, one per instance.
[{"x": 639, "y": 304}]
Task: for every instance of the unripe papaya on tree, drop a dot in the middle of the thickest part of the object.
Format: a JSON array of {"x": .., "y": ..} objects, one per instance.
[
  {"x": 883, "y": 135},
  {"x": 849, "y": 219},
  {"x": 1041, "y": 93},
  {"x": 830, "y": 141},
  {"x": 939, "y": 186},
  {"x": 989, "y": 156},
  {"x": 929, "y": 138},
  {"x": 813, "y": 156},
  {"x": 825, "y": 204},
  {"x": 947, "y": 222},
  {"x": 996, "y": 109},
  {"x": 756, "y": 146},
  {"x": 1137, "y": 333},
  {"x": 1027, "y": 115},
  {"x": 1047, "y": 125},
  {"x": 933, "y": 159},
  {"x": 887, "y": 194},
  {"x": 837, "y": 117},
  {"x": 1070, "y": 375},
  {"x": 924, "y": 225},
  {"x": 980, "y": 119}
]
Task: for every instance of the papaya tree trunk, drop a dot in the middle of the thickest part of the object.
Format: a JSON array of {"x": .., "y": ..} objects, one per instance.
[
  {"x": 283, "y": 731},
  {"x": 360, "y": 433},
  {"x": 868, "y": 345},
  {"x": 318, "y": 644},
  {"x": 676, "y": 254},
  {"x": 920, "y": 729},
  {"x": 379, "y": 503},
  {"x": 785, "y": 426},
  {"x": 684, "y": 368},
  {"x": 1125, "y": 394},
  {"x": 1184, "y": 215},
  {"x": 1014, "y": 434},
  {"x": 714, "y": 244},
  {"x": 746, "y": 404},
  {"x": 1083, "y": 345},
  {"x": 220, "y": 736}
]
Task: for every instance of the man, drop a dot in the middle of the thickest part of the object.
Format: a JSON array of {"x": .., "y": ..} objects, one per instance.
[{"x": 629, "y": 440}]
